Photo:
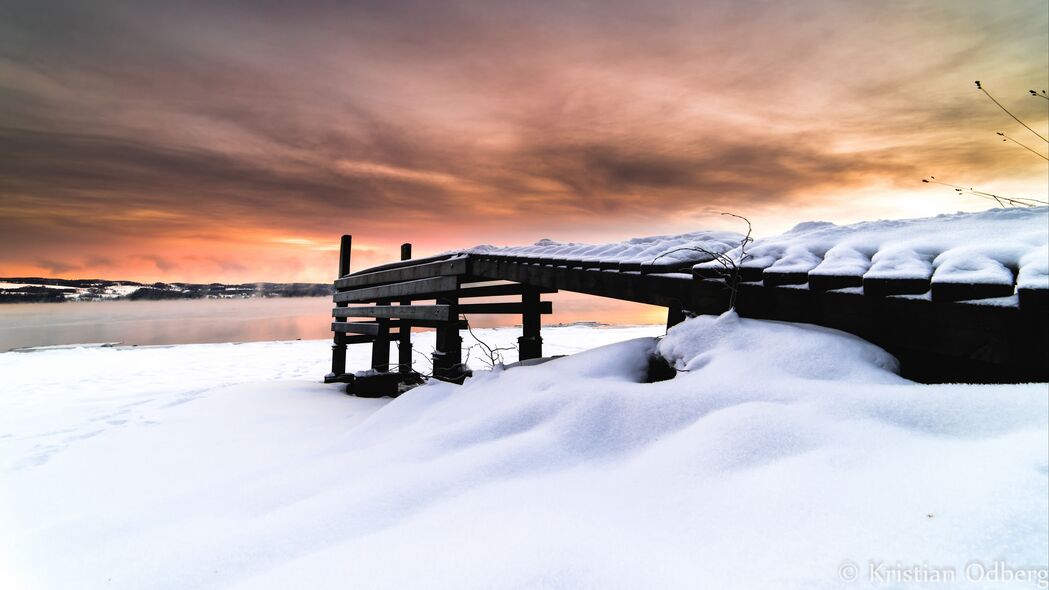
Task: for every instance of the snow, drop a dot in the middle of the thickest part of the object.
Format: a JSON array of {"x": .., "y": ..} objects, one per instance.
[
  {"x": 1034, "y": 270},
  {"x": 681, "y": 248},
  {"x": 843, "y": 260},
  {"x": 1001, "y": 239},
  {"x": 6, "y": 285},
  {"x": 75, "y": 293},
  {"x": 899, "y": 262},
  {"x": 970, "y": 267},
  {"x": 779, "y": 452}
]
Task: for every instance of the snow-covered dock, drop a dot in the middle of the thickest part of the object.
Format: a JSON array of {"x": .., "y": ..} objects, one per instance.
[{"x": 961, "y": 297}]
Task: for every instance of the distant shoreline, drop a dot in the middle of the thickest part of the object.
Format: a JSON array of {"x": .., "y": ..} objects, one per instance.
[{"x": 47, "y": 290}]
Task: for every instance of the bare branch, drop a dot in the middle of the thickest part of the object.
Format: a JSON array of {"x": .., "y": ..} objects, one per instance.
[
  {"x": 984, "y": 90},
  {"x": 730, "y": 269},
  {"x": 1007, "y": 138},
  {"x": 1014, "y": 201},
  {"x": 493, "y": 354}
]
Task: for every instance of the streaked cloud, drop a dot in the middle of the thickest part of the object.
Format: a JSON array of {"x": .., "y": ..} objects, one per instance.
[{"x": 257, "y": 133}]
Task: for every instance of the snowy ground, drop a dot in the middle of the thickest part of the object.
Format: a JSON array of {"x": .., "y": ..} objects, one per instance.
[{"x": 782, "y": 456}]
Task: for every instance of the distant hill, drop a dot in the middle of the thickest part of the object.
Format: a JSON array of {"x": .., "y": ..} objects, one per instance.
[{"x": 43, "y": 290}]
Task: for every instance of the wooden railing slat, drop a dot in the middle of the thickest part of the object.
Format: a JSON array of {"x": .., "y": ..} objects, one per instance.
[
  {"x": 406, "y": 290},
  {"x": 438, "y": 313}
]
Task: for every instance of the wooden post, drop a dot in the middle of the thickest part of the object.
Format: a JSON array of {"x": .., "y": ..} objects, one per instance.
[
  {"x": 404, "y": 338},
  {"x": 381, "y": 344},
  {"x": 675, "y": 315},
  {"x": 530, "y": 344},
  {"x": 449, "y": 354},
  {"x": 338, "y": 347}
]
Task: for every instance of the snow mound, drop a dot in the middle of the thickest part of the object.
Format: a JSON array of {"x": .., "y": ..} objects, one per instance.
[
  {"x": 732, "y": 343},
  {"x": 1001, "y": 240},
  {"x": 777, "y": 454},
  {"x": 683, "y": 248}
]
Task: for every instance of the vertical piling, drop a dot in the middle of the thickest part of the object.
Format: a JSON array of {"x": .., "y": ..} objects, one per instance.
[
  {"x": 404, "y": 338},
  {"x": 675, "y": 315},
  {"x": 448, "y": 357},
  {"x": 381, "y": 343},
  {"x": 338, "y": 347},
  {"x": 530, "y": 344}
]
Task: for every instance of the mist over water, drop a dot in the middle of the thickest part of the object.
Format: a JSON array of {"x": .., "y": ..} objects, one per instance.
[{"x": 243, "y": 320}]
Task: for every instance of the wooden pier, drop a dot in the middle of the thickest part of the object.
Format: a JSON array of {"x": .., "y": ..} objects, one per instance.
[{"x": 939, "y": 332}]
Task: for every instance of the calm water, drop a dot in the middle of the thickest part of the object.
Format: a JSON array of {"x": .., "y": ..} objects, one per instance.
[{"x": 240, "y": 320}]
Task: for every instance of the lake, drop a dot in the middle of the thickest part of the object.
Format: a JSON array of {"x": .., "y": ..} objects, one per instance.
[{"x": 242, "y": 320}]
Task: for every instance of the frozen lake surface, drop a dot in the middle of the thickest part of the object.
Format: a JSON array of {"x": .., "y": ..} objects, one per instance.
[{"x": 200, "y": 321}]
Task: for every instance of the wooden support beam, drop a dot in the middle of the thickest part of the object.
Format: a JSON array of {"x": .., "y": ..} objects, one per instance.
[
  {"x": 381, "y": 344},
  {"x": 530, "y": 343},
  {"x": 432, "y": 313},
  {"x": 404, "y": 338},
  {"x": 544, "y": 307},
  {"x": 448, "y": 354},
  {"x": 651, "y": 289},
  {"x": 675, "y": 315},
  {"x": 339, "y": 339},
  {"x": 456, "y": 266},
  {"x": 405, "y": 292}
]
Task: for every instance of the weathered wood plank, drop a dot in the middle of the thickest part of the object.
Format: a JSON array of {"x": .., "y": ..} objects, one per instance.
[
  {"x": 401, "y": 325},
  {"x": 747, "y": 274},
  {"x": 774, "y": 279},
  {"x": 544, "y": 307},
  {"x": 1034, "y": 299},
  {"x": 881, "y": 287},
  {"x": 499, "y": 290},
  {"x": 651, "y": 289},
  {"x": 822, "y": 282},
  {"x": 406, "y": 290},
  {"x": 457, "y": 266},
  {"x": 369, "y": 328},
  {"x": 945, "y": 291},
  {"x": 434, "y": 313},
  {"x": 401, "y": 264}
]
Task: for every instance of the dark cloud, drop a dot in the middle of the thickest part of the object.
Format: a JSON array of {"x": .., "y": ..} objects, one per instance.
[
  {"x": 129, "y": 124},
  {"x": 161, "y": 263},
  {"x": 56, "y": 266}
]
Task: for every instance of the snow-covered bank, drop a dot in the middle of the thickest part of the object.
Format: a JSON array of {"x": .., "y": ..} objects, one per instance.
[{"x": 778, "y": 454}]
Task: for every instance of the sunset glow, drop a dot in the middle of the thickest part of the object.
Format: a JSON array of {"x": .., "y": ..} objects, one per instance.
[{"x": 201, "y": 141}]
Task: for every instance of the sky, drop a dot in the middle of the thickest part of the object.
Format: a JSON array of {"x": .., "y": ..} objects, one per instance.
[{"x": 236, "y": 141}]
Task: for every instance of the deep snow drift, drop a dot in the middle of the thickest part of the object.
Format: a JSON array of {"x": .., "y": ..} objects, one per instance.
[
  {"x": 979, "y": 247},
  {"x": 983, "y": 247},
  {"x": 777, "y": 454},
  {"x": 683, "y": 248}
]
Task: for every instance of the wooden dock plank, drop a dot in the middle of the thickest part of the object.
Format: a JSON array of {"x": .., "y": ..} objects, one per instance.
[
  {"x": 435, "y": 313},
  {"x": 882, "y": 287},
  {"x": 402, "y": 264},
  {"x": 498, "y": 290},
  {"x": 545, "y": 307},
  {"x": 417, "y": 289},
  {"x": 825, "y": 282},
  {"x": 455, "y": 266}
]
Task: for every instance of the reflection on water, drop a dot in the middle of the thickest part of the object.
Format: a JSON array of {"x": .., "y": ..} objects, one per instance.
[{"x": 242, "y": 320}]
